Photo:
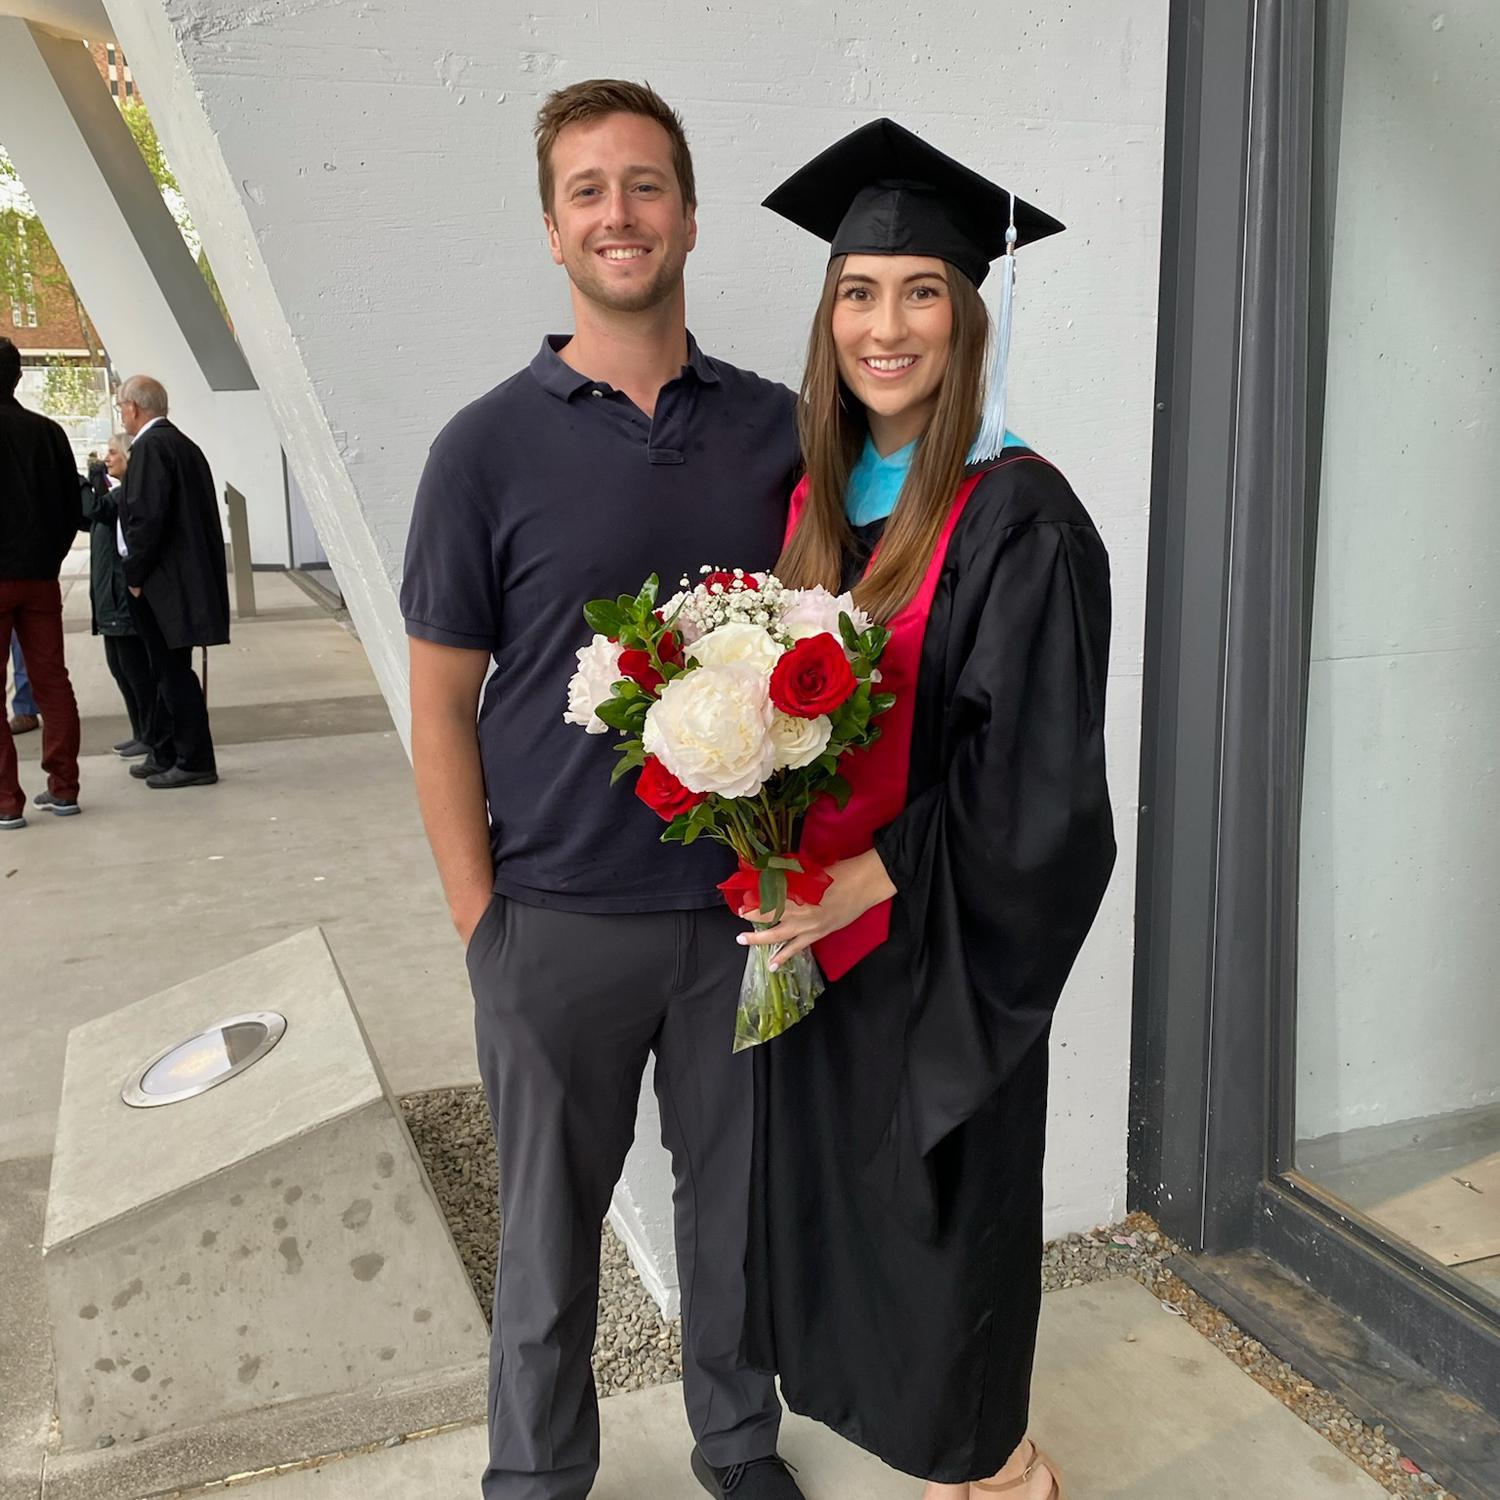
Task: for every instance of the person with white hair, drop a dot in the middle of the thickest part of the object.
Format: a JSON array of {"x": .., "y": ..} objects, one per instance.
[
  {"x": 109, "y": 600},
  {"x": 173, "y": 549}
]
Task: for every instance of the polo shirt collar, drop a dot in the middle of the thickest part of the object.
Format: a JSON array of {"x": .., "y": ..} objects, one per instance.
[{"x": 559, "y": 378}]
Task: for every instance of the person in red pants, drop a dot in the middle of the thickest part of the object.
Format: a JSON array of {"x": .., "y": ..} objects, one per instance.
[{"x": 39, "y": 518}]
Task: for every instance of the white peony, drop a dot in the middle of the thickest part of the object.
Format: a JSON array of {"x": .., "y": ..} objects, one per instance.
[
  {"x": 815, "y": 611},
  {"x": 738, "y": 643},
  {"x": 598, "y": 671},
  {"x": 799, "y": 742},
  {"x": 712, "y": 730}
]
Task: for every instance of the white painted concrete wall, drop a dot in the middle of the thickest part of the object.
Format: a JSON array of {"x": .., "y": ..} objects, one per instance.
[
  {"x": 127, "y": 259},
  {"x": 1401, "y": 861},
  {"x": 364, "y": 181}
]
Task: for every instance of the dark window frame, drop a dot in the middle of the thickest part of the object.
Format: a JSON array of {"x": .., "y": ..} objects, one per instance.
[{"x": 1251, "y": 162}]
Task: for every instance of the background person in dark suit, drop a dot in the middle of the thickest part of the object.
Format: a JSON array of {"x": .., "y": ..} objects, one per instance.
[
  {"x": 173, "y": 546},
  {"x": 39, "y": 514}
]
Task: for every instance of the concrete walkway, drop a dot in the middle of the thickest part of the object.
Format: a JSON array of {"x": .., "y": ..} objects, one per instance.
[
  {"x": 314, "y": 820},
  {"x": 1131, "y": 1403}
]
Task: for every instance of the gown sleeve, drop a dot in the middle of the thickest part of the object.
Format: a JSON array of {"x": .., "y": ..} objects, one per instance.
[{"x": 1000, "y": 865}]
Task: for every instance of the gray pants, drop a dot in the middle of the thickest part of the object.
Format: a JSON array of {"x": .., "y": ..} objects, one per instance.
[{"x": 567, "y": 1007}]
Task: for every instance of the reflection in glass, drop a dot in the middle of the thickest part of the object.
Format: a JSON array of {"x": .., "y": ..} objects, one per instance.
[
  {"x": 1398, "y": 1024},
  {"x": 202, "y": 1061},
  {"x": 205, "y": 1057}
]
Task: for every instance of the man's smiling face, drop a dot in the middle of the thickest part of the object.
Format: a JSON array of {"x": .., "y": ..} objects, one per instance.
[{"x": 618, "y": 222}]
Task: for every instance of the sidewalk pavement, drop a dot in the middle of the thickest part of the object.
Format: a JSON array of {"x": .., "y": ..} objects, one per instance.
[
  {"x": 1130, "y": 1402},
  {"x": 314, "y": 820}
]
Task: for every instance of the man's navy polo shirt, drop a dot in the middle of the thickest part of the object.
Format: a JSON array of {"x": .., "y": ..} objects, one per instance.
[{"x": 548, "y": 492}]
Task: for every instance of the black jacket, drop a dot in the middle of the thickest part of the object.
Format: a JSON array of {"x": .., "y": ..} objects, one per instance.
[
  {"x": 175, "y": 544},
  {"x": 39, "y": 502},
  {"x": 111, "y": 607}
]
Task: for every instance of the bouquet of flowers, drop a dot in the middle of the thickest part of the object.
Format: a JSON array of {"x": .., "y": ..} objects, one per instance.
[{"x": 736, "y": 701}]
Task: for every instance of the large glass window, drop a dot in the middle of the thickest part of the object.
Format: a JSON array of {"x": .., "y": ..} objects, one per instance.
[{"x": 1398, "y": 1012}]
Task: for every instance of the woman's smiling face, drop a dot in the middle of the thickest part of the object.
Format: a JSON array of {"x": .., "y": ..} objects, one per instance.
[{"x": 892, "y": 328}]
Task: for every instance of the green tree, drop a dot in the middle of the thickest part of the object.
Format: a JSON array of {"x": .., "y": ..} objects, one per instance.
[
  {"x": 143, "y": 132},
  {"x": 30, "y": 266},
  {"x": 70, "y": 391}
]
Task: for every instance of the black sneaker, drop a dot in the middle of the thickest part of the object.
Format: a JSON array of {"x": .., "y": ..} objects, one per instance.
[
  {"x": 12, "y": 820},
  {"x": 768, "y": 1478},
  {"x": 131, "y": 749},
  {"x": 166, "y": 781},
  {"x": 55, "y": 805},
  {"x": 147, "y": 767}
]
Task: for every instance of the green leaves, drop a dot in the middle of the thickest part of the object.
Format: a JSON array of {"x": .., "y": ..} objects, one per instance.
[
  {"x": 773, "y": 889},
  {"x": 630, "y": 619},
  {"x": 687, "y": 827},
  {"x": 604, "y": 617},
  {"x": 632, "y": 755},
  {"x": 628, "y": 715},
  {"x": 839, "y": 790}
]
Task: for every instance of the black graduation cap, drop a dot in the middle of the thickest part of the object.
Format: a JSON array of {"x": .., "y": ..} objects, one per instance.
[{"x": 884, "y": 191}]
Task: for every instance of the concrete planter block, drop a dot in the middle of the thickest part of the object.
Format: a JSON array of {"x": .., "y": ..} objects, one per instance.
[{"x": 272, "y": 1239}]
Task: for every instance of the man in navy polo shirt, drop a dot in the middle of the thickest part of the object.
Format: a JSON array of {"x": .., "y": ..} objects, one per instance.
[{"x": 620, "y": 451}]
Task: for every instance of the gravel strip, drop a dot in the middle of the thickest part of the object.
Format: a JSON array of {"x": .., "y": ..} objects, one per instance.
[{"x": 636, "y": 1347}]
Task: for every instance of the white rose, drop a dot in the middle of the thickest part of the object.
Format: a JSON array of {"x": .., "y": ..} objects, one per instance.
[
  {"x": 799, "y": 742},
  {"x": 598, "y": 671},
  {"x": 815, "y": 611},
  {"x": 738, "y": 642},
  {"x": 712, "y": 730}
]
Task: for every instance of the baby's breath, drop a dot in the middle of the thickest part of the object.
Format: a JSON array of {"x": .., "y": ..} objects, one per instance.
[{"x": 697, "y": 610}]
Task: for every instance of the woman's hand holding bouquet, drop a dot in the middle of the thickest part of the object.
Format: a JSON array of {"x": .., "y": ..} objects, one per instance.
[{"x": 736, "y": 701}]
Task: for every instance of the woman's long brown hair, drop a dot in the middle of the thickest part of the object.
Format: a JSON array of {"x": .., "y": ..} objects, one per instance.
[{"x": 832, "y": 424}]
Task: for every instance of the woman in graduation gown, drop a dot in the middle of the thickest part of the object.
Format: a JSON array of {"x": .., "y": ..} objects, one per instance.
[{"x": 895, "y": 1257}]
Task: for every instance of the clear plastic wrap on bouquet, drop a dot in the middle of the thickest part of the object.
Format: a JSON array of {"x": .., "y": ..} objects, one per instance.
[{"x": 771, "y": 1000}]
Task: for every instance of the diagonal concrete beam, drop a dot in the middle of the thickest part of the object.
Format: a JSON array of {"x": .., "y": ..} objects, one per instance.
[
  {"x": 365, "y": 563},
  {"x": 127, "y": 259},
  {"x": 85, "y": 20}
]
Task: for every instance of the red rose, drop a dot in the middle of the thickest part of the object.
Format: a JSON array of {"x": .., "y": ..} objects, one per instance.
[
  {"x": 636, "y": 665},
  {"x": 663, "y": 793},
  {"x": 813, "y": 678},
  {"x": 729, "y": 582}
]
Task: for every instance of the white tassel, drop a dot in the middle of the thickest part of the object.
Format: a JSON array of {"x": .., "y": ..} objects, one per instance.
[{"x": 992, "y": 433}]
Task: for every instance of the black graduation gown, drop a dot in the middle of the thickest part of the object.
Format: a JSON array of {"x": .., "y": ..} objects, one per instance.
[{"x": 896, "y": 1221}]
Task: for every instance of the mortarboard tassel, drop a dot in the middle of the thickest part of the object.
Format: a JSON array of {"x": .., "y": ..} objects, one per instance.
[{"x": 992, "y": 433}]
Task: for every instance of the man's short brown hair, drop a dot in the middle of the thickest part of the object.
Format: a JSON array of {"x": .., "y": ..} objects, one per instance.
[{"x": 580, "y": 103}]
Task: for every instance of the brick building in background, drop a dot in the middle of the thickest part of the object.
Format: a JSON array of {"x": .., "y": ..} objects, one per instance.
[{"x": 50, "y": 325}]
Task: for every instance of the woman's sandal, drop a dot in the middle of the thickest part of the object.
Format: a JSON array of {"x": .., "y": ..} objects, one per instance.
[{"x": 1038, "y": 1459}]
